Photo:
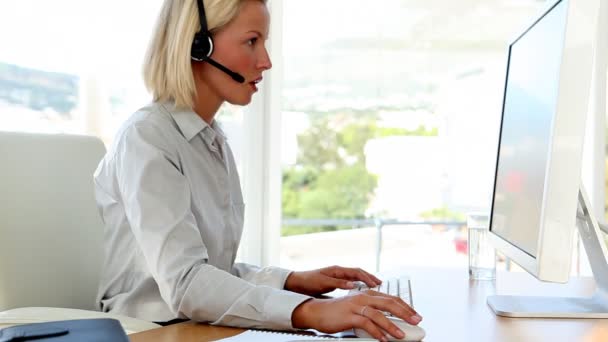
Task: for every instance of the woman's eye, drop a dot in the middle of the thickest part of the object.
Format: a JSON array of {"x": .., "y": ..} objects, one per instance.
[{"x": 252, "y": 41}]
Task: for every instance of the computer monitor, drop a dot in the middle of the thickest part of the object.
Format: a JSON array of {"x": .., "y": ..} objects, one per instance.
[{"x": 537, "y": 189}]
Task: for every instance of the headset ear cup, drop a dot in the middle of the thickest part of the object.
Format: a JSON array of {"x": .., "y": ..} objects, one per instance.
[{"x": 202, "y": 46}]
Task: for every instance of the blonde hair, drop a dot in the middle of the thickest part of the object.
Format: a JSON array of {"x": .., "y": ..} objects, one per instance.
[{"x": 167, "y": 67}]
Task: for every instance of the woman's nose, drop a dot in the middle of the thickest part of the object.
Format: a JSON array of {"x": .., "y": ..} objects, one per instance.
[{"x": 264, "y": 62}]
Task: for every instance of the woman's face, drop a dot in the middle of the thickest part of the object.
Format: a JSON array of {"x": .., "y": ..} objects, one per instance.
[{"x": 239, "y": 46}]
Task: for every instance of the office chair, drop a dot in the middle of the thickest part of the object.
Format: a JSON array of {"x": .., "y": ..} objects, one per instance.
[{"x": 50, "y": 230}]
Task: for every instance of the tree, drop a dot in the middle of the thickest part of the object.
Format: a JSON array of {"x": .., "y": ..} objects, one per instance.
[{"x": 330, "y": 179}]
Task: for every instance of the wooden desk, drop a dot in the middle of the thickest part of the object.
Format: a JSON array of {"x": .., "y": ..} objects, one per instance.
[{"x": 454, "y": 309}]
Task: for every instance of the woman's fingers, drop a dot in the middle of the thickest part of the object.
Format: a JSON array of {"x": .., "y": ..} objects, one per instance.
[
  {"x": 354, "y": 274},
  {"x": 366, "y": 324},
  {"x": 384, "y": 295},
  {"x": 382, "y": 321},
  {"x": 338, "y": 283},
  {"x": 359, "y": 274},
  {"x": 368, "y": 278},
  {"x": 374, "y": 278},
  {"x": 394, "y": 305}
]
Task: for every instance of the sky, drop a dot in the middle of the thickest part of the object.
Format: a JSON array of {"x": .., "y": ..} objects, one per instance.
[
  {"x": 75, "y": 36},
  {"x": 110, "y": 36}
]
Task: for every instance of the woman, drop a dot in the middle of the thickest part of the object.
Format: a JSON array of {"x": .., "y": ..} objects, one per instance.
[{"x": 170, "y": 197}]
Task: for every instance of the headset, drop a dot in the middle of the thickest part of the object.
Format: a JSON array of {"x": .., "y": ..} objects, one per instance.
[{"x": 202, "y": 46}]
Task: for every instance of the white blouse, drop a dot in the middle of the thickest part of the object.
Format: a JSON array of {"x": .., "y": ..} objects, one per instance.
[{"x": 169, "y": 194}]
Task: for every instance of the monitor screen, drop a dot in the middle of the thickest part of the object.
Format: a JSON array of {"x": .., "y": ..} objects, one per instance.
[{"x": 526, "y": 129}]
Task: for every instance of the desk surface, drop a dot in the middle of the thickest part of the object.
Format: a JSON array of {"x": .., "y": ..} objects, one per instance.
[{"x": 454, "y": 309}]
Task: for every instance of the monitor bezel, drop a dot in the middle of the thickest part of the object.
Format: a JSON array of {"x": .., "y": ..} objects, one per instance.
[{"x": 560, "y": 196}]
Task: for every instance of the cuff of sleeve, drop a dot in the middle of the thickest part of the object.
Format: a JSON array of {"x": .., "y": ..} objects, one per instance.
[
  {"x": 279, "y": 308},
  {"x": 272, "y": 276}
]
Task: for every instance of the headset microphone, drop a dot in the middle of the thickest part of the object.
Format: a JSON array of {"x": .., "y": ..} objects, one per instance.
[
  {"x": 235, "y": 76},
  {"x": 202, "y": 46}
]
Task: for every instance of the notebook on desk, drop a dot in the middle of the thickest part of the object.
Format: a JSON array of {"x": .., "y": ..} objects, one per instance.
[
  {"x": 275, "y": 336},
  {"x": 270, "y": 336}
]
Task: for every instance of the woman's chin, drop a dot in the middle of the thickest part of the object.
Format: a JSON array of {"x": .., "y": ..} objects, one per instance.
[{"x": 240, "y": 101}]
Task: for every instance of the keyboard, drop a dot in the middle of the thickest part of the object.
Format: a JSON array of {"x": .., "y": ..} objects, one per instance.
[{"x": 399, "y": 287}]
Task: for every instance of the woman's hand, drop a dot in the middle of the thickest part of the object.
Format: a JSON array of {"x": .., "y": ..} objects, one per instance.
[
  {"x": 361, "y": 310},
  {"x": 318, "y": 282}
]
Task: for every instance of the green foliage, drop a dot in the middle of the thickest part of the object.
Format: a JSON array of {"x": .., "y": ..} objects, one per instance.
[
  {"x": 443, "y": 213},
  {"x": 420, "y": 131},
  {"x": 330, "y": 179},
  {"x": 319, "y": 147},
  {"x": 354, "y": 137},
  {"x": 341, "y": 193}
]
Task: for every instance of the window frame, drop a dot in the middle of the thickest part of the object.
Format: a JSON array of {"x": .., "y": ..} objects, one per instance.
[{"x": 262, "y": 172}]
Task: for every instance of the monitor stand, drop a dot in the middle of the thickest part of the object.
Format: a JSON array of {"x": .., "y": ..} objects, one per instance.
[{"x": 595, "y": 306}]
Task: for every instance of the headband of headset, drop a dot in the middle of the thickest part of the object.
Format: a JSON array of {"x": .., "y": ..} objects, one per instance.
[{"x": 202, "y": 46}]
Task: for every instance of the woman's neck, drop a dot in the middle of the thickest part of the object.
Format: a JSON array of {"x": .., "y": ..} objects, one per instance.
[{"x": 207, "y": 104}]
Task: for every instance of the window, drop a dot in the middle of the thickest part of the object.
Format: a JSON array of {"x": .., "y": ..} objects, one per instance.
[
  {"x": 390, "y": 114},
  {"x": 72, "y": 66}
]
